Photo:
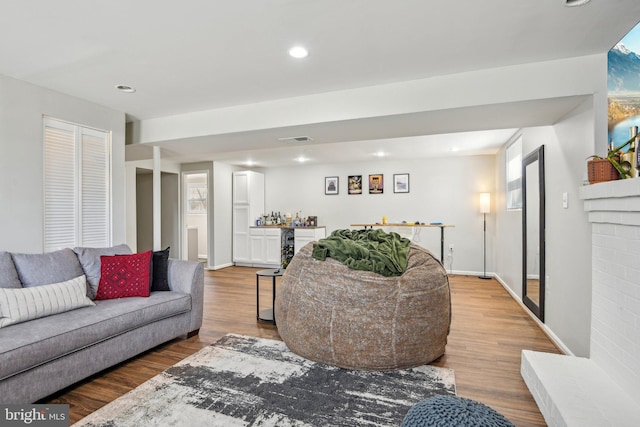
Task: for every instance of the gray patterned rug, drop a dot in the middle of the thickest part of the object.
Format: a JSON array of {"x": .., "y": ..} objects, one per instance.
[{"x": 246, "y": 381}]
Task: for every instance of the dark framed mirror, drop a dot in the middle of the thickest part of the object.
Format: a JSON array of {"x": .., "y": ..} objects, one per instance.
[{"x": 533, "y": 231}]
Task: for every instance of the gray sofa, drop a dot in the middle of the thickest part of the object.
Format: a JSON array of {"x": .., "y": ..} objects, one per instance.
[{"x": 41, "y": 356}]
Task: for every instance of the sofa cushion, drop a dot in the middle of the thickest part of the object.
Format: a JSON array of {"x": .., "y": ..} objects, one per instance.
[
  {"x": 90, "y": 260},
  {"x": 8, "y": 274},
  {"x": 26, "y": 345},
  {"x": 21, "y": 305},
  {"x": 160, "y": 270},
  {"x": 44, "y": 269},
  {"x": 123, "y": 276}
]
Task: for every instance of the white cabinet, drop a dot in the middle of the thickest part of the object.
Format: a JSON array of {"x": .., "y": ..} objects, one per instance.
[
  {"x": 248, "y": 205},
  {"x": 241, "y": 187},
  {"x": 303, "y": 236},
  {"x": 272, "y": 247},
  {"x": 257, "y": 251},
  {"x": 265, "y": 246},
  {"x": 241, "y": 248}
]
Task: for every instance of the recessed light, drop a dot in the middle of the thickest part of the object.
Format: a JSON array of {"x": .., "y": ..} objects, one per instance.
[
  {"x": 301, "y": 159},
  {"x": 571, "y": 3},
  {"x": 454, "y": 149},
  {"x": 379, "y": 153},
  {"x": 125, "y": 88},
  {"x": 298, "y": 52},
  {"x": 250, "y": 163}
]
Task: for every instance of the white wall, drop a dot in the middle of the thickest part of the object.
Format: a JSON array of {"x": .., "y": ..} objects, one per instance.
[
  {"x": 22, "y": 107},
  {"x": 222, "y": 214},
  {"x": 569, "y": 232},
  {"x": 568, "y": 237},
  {"x": 441, "y": 189}
]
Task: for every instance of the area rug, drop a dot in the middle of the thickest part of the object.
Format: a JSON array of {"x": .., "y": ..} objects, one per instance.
[{"x": 246, "y": 381}]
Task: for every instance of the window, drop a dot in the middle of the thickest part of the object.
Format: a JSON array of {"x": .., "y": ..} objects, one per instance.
[
  {"x": 77, "y": 186},
  {"x": 514, "y": 174}
]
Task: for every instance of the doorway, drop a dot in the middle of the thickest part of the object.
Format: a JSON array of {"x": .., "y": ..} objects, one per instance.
[
  {"x": 196, "y": 216},
  {"x": 144, "y": 209},
  {"x": 169, "y": 211}
]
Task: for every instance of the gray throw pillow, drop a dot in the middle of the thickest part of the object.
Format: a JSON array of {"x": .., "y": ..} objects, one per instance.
[
  {"x": 8, "y": 274},
  {"x": 45, "y": 269},
  {"x": 90, "y": 261}
]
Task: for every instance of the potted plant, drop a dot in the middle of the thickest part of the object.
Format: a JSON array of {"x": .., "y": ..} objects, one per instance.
[{"x": 609, "y": 168}]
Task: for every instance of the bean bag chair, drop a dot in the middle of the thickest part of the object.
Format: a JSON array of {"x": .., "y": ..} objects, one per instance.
[{"x": 354, "y": 319}]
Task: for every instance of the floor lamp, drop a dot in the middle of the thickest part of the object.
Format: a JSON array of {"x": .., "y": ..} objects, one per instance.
[{"x": 485, "y": 208}]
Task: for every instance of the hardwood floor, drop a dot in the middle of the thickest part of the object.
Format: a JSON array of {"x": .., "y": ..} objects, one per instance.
[{"x": 489, "y": 330}]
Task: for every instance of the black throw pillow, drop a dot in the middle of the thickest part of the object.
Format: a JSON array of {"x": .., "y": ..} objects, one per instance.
[{"x": 159, "y": 270}]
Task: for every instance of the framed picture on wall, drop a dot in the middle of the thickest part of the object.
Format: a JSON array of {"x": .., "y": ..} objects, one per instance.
[
  {"x": 401, "y": 183},
  {"x": 331, "y": 185},
  {"x": 355, "y": 184},
  {"x": 376, "y": 184},
  {"x": 197, "y": 200}
]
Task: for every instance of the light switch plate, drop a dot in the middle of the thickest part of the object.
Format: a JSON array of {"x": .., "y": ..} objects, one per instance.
[{"x": 565, "y": 200}]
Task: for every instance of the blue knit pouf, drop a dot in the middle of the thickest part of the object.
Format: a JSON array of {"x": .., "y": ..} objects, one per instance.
[{"x": 448, "y": 411}]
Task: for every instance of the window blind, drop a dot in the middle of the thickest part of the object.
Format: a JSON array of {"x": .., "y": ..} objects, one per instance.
[
  {"x": 95, "y": 189},
  {"x": 77, "y": 187},
  {"x": 60, "y": 210}
]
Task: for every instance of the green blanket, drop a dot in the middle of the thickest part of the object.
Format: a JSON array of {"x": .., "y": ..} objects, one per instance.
[{"x": 368, "y": 250}]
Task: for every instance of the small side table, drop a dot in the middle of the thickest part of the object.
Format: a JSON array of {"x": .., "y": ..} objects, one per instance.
[{"x": 267, "y": 315}]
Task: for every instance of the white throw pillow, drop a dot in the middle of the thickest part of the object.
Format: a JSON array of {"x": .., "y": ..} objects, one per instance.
[{"x": 20, "y": 305}]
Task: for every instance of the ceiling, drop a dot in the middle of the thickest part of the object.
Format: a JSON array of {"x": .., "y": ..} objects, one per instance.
[{"x": 207, "y": 54}]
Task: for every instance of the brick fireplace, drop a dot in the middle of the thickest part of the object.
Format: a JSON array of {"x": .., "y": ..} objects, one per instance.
[{"x": 603, "y": 389}]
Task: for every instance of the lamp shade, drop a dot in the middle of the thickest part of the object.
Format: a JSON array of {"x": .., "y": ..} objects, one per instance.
[{"x": 485, "y": 202}]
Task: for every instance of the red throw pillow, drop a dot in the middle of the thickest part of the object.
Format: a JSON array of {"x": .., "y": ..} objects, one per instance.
[{"x": 124, "y": 276}]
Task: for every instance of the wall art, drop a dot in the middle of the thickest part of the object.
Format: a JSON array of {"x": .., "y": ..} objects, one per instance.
[
  {"x": 355, "y": 184},
  {"x": 376, "y": 184},
  {"x": 197, "y": 199},
  {"x": 331, "y": 185},
  {"x": 401, "y": 183}
]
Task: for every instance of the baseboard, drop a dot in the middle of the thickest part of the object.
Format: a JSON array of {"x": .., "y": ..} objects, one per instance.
[
  {"x": 548, "y": 332},
  {"x": 218, "y": 267},
  {"x": 256, "y": 265},
  {"x": 470, "y": 273}
]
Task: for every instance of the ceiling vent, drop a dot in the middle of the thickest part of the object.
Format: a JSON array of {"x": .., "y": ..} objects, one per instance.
[
  {"x": 571, "y": 3},
  {"x": 296, "y": 139}
]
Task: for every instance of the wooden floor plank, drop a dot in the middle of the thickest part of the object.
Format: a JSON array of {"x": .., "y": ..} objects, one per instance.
[{"x": 488, "y": 332}]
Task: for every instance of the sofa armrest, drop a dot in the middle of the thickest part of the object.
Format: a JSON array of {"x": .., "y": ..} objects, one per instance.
[{"x": 188, "y": 277}]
